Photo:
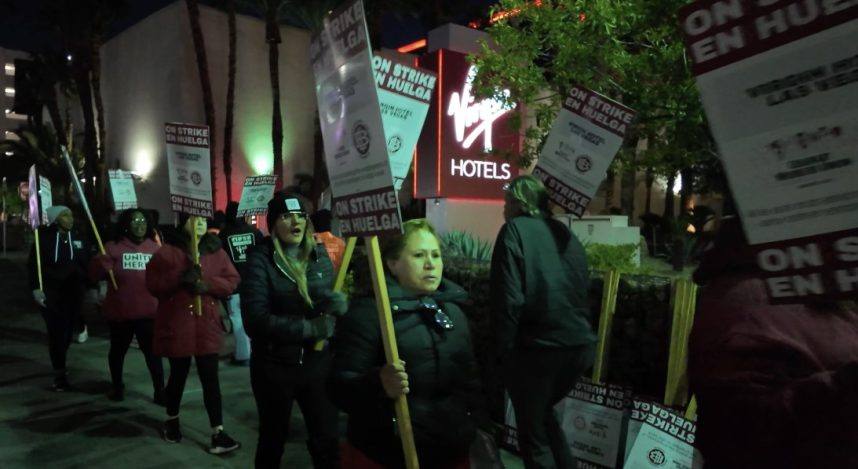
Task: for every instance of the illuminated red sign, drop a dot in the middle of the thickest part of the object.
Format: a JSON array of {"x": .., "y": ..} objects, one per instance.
[{"x": 451, "y": 158}]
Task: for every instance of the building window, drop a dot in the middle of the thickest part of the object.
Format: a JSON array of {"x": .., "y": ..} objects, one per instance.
[
  {"x": 10, "y": 69},
  {"x": 13, "y": 115},
  {"x": 9, "y": 91}
]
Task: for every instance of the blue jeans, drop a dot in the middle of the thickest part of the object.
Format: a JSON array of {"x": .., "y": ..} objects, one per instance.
[{"x": 242, "y": 341}]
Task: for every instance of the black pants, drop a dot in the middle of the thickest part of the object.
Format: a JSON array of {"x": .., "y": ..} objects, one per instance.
[
  {"x": 60, "y": 315},
  {"x": 537, "y": 379},
  {"x": 275, "y": 387},
  {"x": 207, "y": 371},
  {"x": 121, "y": 333}
]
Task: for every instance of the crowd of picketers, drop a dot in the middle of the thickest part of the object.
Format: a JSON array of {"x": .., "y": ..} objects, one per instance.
[{"x": 777, "y": 386}]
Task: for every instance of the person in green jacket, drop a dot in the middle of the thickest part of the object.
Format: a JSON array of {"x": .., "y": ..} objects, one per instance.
[{"x": 539, "y": 282}]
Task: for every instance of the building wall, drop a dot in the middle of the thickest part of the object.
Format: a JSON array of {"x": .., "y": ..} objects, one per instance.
[{"x": 150, "y": 77}]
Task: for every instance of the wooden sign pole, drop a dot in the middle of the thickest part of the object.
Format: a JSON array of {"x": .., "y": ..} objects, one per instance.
[
  {"x": 341, "y": 278},
  {"x": 606, "y": 318},
  {"x": 391, "y": 352},
  {"x": 38, "y": 259},
  {"x": 195, "y": 256}
]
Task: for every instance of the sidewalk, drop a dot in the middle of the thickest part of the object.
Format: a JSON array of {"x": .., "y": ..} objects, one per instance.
[{"x": 83, "y": 429}]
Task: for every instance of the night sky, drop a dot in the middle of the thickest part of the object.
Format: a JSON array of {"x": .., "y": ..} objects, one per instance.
[{"x": 20, "y": 26}]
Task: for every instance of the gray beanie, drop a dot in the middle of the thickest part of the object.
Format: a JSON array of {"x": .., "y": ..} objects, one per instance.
[{"x": 55, "y": 211}]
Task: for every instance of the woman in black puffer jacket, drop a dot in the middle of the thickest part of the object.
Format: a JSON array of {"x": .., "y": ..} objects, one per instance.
[
  {"x": 437, "y": 369},
  {"x": 287, "y": 306}
]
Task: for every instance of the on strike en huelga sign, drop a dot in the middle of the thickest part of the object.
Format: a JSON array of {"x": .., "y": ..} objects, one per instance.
[
  {"x": 122, "y": 189},
  {"x": 583, "y": 141},
  {"x": 592, "y": 419},
  {"x": 779, "y": 82},
  {"x": 46, "y": 197},
  {"x": 365, "y": 200},
  {"x": 659, "y": 437},
  {"x": 255, "y": 195},
  {"x": 188, "y": 159},
  {"x": 39, "y": 198},
  {"x": 404, "y": 94}
]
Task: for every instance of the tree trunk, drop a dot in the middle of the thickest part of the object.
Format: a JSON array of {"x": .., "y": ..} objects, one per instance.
[
  {"x": 650, "y": 179},
  {"x": 205, "y": 84},
  {"x": 230, "y": 101},
  {"x": 101, "y": 163},
  {"x": 81, "y": 78},
  {"x": 687, "y": 190},
  {"x": 627, "y": 190},
  {"x": 272, "y": 36},
  {"x": 668, "y": 198}
]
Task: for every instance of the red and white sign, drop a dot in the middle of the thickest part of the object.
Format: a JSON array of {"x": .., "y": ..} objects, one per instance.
[
  {"x": 188, "y": 160},
  {"x": 452, "y": 158},
  {"x": 779, "y": 82},
  {"x": 355, "y": 148},
  {"x": 583, "y": 141}
]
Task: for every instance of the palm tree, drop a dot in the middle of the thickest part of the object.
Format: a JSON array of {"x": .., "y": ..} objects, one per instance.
[
  {"x": 230, "y": 100},
  {"x": 39, "y": 145},
  {"x": 205, "y": 82}
]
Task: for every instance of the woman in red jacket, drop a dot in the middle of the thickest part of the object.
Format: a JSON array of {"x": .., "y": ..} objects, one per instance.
[
  {"x": 130, "y": 309},
  {"x": 180, "y": 333}
]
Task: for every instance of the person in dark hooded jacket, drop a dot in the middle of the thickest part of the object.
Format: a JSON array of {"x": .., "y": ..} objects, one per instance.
[
  {"x": 776, "y": 385},
  {"x": 180, "y": 333},
  {"x": 287, "y": 304},
  {"x": 64, "y": 259},
  {"x": 437, "y": 370},
  {"x": 539, "y": 283}
]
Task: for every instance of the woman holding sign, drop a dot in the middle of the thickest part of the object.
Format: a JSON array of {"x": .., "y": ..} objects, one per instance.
[
  {"x": 438, "y": 371},
  {"x": 130, "y": 309},
  {"x": 180, "y": 332},
  {"x": 287, "y": 306}
]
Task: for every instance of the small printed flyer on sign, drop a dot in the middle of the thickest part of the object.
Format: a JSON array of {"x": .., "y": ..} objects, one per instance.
[{"x": 257, "y": 191}]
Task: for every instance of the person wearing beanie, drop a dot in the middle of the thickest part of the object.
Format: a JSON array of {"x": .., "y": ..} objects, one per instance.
[
  {"x": 180, "y": 332},
  {"x": 64, "y": 258},
  {"x": 288, "y": 305},
  {"x": 130, "y": 308},
  {"x": 237, "y": 237}
]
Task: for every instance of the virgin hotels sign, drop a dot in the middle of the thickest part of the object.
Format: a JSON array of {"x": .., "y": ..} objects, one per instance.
[{"x": 451, "y": 158}]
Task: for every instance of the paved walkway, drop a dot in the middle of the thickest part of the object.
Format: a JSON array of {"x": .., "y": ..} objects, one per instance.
[{"x": 83, "y": 429}]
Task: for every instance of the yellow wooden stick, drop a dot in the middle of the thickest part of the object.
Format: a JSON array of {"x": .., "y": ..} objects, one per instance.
[
  {"x": 391, "y": 352},
  {"x": 606, "y": 317},
  {"x": 195, "y": 256},
  {"x": 341, "y": 278},
  {"x": 677, "y": 303},
  {"x": 39, "y": 261},
  {"x": 691, "y": 410},
  {"x": 101, "y": 250}
]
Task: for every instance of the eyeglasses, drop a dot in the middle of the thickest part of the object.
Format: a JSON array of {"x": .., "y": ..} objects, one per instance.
[{"x": 442, "y": 320}]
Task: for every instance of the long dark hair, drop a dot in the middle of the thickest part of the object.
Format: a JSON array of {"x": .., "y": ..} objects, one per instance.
[{"x": 123, "y": 223}]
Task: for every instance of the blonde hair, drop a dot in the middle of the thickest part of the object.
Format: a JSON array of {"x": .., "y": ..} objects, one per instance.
[{"x": 297, "y": 267}]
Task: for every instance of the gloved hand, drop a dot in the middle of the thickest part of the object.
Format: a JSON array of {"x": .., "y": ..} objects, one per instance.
[
  {"x": 191, "y": 279},
  {"x": 394, "y": 379},
  {"x": 319, "y": 328},
  {"x": 40, "y": 298},
  {"x": 335, "y": 303}
]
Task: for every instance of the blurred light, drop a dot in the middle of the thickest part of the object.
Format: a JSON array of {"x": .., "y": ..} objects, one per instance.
[
  {"x": 7, "y": 111},
  {"x": 10, "y": 69},
  {"x": 69, "y": 57},
  {"x": 419, "y": 44},
  {"x": 691, "y": 229},
  {"x": 677, "y": 184},
  {"x": 9, "y": 91},
  {"x": 143, "y": 163},
  {"x": 10, "y": 153}
]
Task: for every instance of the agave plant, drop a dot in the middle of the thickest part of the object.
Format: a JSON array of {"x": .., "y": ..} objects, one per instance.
[{"x": 463, "y": 245}]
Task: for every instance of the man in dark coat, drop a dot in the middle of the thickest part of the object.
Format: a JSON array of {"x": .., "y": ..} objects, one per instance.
[
  {"x": 64, "y": 259},
  {"x": 539, "y": 283},
  {"x": 237, "y": 237}
]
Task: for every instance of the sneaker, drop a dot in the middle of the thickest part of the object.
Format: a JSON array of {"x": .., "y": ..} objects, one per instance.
[
  {"x": 81, "y": 338},
  {"x": 61, "y": 384},
  {"x": 171, "y": 432},
  {"x": 117, "y": 393},
  {"x": 222, "y": 443}
]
